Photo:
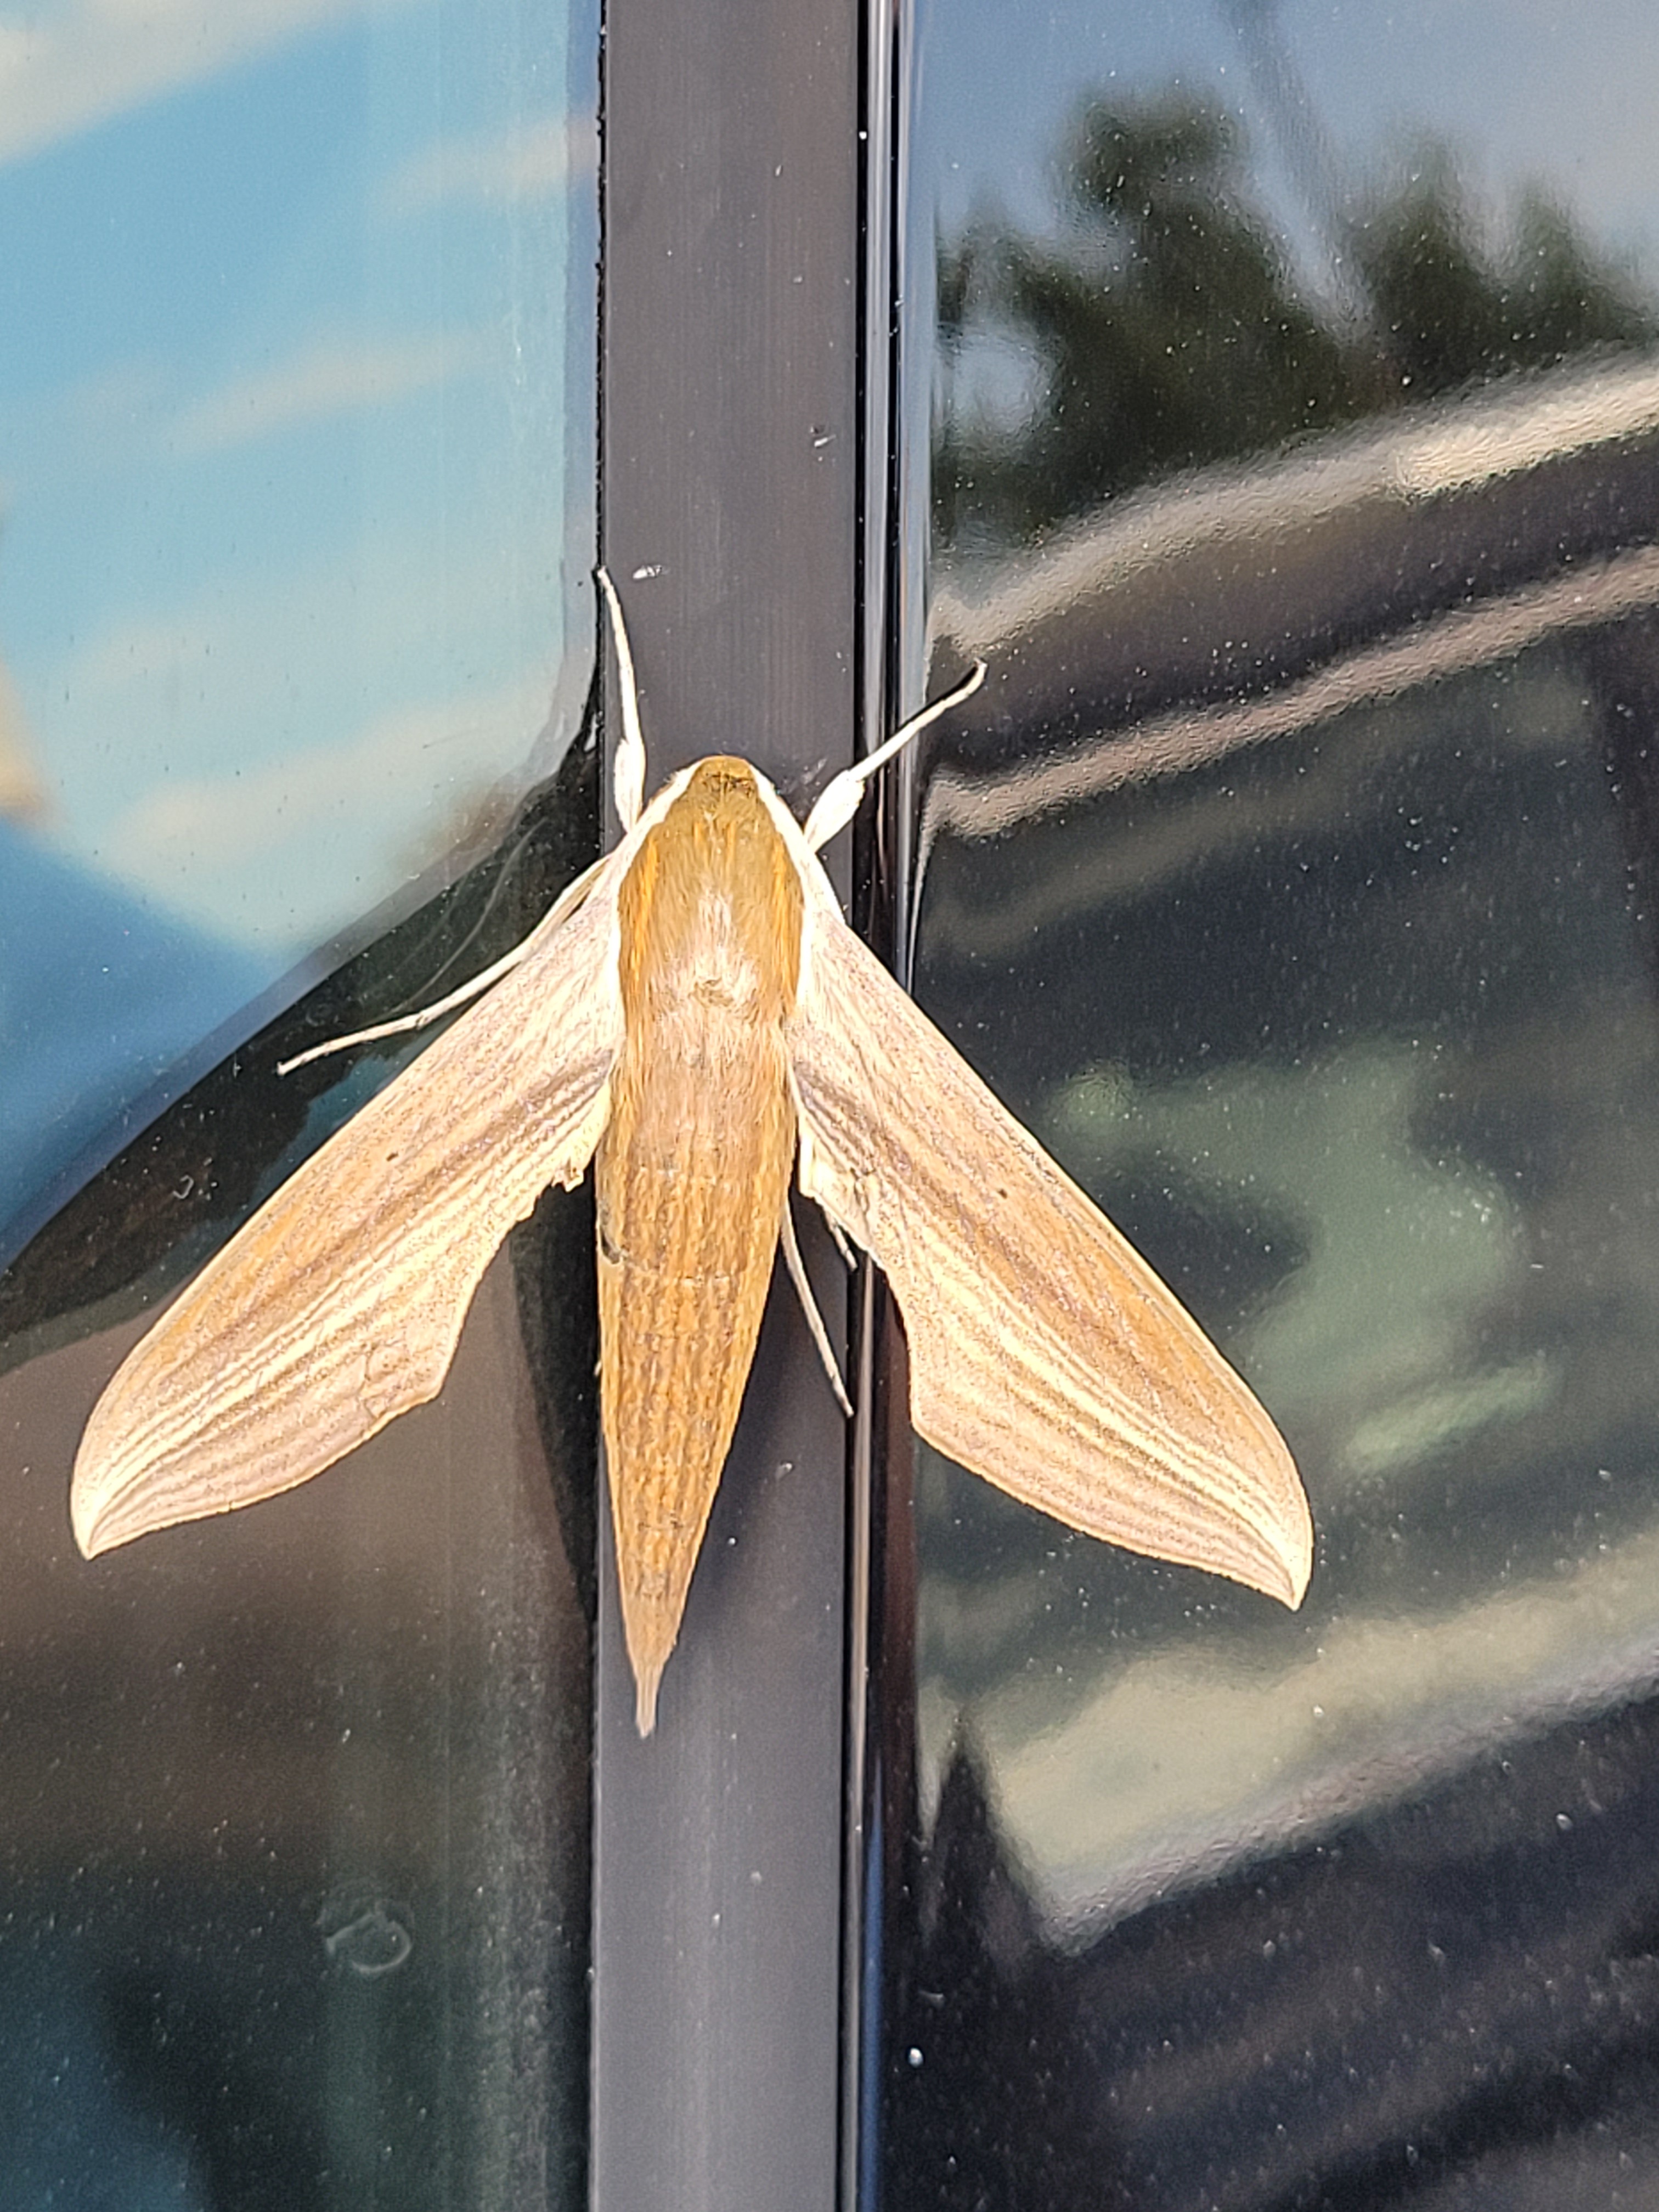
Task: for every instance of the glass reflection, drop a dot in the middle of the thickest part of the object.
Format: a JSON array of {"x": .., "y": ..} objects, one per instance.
[
  {"x": 1158, "y": 324},
  {"x": 287, "y": 464},
  {"x": 1293, "y": 437}
]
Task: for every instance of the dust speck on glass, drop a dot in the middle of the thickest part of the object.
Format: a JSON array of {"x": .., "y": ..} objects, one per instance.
[{"x": 1283, "y": 393}]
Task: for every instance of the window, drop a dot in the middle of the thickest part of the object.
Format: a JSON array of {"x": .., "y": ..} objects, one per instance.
[
  {"x": 299, "y": 429},
  {"x": 1293, "y": 397},
  {"x": 1268, "y": 394}
]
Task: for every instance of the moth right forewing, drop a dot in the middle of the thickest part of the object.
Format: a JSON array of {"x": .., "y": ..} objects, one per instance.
[{"x": 1045, "y": 1354}]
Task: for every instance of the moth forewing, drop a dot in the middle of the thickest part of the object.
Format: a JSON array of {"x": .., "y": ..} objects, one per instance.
[
  {"x": 1045, "y": 1354},
  {"x": 338, "y": 1305}
]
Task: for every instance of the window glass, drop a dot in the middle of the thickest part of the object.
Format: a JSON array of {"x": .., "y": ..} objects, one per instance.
[
  {"x": 1285, "y": 383},
  {"x": 298, "y": 424},
  {"x": 295, "y": 512}
]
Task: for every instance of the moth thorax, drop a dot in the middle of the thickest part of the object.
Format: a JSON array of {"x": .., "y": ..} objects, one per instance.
[{"x": 713, "y": 894}]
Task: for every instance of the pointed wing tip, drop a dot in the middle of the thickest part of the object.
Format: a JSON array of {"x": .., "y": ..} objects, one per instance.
[
  {"x": 102, "y": 1480},
  {"x": 1301, "y": 1576},
  {"x": 1286, "y": 1566},
  {"x": 95, "y": 1518},
  {"x": 1272, "y": 1568},
  {"x": 1298, "y": 1573},
  {"x": 117, "y": 1494},
  {"x": 1262, "y": 1533},
  {"x": 88, "y": 1511},
  {"x": 645, "y": 1707}
]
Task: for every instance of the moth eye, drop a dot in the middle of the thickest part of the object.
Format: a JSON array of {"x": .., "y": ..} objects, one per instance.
[{"x": 608, "y": 1250}]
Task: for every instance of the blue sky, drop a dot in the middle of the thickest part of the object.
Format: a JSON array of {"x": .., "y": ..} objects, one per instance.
[
  {"x": 290, "y": 562},
  {"x": 1523, "y": 90},
  {"x": 296, "y": 410}
]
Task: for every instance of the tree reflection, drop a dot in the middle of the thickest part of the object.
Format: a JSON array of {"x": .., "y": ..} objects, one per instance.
[{"x": 1158, "y": 324}]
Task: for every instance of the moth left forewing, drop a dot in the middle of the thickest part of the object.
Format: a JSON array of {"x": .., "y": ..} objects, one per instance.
[
  {"x": 338, "y": 1305},
  {"x": 1045, "y": 1354}
]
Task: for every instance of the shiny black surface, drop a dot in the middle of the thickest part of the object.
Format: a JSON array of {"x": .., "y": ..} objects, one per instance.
[
  {"x": 296, "y": 1859},
  {"x": 1295, "y": 885}
]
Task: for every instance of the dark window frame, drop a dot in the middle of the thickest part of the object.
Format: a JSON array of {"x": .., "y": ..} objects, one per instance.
[{"x": 749, "y": 459}]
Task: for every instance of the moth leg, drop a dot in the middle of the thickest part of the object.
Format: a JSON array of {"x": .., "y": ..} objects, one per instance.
[
  {"x": 486, "y": 980},
  {"x": 631, "y": 753},
  {"x": 838, "y": 802},
  {"x": 809, "y": 1306},
  {"x": 848, "y": 1255},
  {"x": 631, "y": 798}
]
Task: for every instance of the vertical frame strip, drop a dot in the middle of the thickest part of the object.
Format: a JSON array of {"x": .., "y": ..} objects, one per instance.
[{"x": 729, "y": 465}]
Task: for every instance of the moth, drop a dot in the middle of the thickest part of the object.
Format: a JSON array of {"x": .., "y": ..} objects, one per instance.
[{"x": 695, "y": 1018}]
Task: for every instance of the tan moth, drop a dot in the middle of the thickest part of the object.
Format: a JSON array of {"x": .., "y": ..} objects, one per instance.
[{"x": 695, "y": 1017}]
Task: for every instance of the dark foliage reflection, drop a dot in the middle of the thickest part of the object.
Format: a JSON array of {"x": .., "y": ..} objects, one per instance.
[{"x": 1159, "y": 326}]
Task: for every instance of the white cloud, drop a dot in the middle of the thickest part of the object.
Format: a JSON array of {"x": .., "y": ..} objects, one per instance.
[
  {"x": 532, "y": 161},
  {"x": 65, "y": 67},
  {"x": 1186, "y": 1761},
  {"x": 277, "y": 853},
  {"x": 329, "y": 377},
  {"x": 239, "y": 817},
  {"x": 275, "y": 752},
  {"x": 258, "y": 655}
]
